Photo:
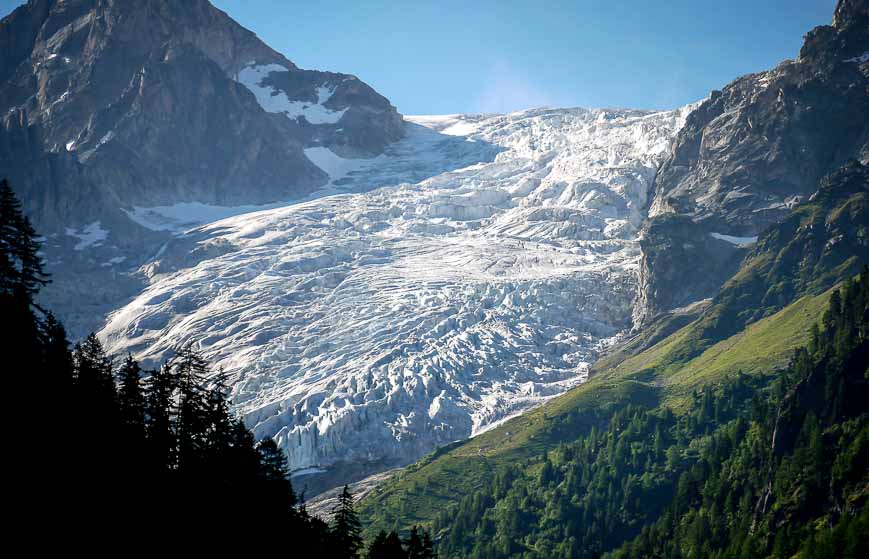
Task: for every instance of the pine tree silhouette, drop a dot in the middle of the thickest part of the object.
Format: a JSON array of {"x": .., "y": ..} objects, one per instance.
[
  {"x": 131, "y": 401},
  {"x": 21, "y": 267},
  {"x": 131, "y": 446},
  {"x": 386, "y": 546},
  {"x": 159, "y": 428},
  {"x": 345, "y": 529}
]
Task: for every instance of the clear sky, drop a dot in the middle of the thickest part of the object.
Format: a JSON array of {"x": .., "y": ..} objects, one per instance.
[{"x": 454, "y": 56}]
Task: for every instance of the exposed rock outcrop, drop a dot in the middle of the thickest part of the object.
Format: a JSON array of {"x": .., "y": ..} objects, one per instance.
[
  {"x": 748, "y": 154},
  {"x": 111, "y": 107},
  {"x": 151, "y": 102}
]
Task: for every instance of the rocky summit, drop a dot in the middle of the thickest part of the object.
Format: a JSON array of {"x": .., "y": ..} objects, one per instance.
[
  {"x": 111, "y": 104},
  {"x": 747, "y": 155},
  {"x": 107, "y": 106}
]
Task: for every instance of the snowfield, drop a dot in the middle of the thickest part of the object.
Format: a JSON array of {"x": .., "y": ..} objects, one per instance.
[
  {"x": 471, "y": 272},
  {"x": 274, "y": 100}
]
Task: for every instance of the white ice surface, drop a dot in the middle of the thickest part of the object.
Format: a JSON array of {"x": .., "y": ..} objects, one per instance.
[
  {"x": 90, "y": 236},
  {"x": 334, "y": 165},
  {"x": 859, "y": 59},
  {"x": 374, "y": 324},
  {"x": 186, "y": 215},
  {"x": 274, "y": 100},
  {"x": 738, "y": 241}
]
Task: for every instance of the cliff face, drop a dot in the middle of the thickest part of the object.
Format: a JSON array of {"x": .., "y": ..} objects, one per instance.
[
  {"x": 747, "y": 155},
  {"x": 154, "y": 102}
]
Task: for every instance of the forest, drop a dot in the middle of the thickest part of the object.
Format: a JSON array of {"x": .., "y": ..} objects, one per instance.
[
  {"x": 118, "y": 447},
  {"x": 771, "y": 466}
]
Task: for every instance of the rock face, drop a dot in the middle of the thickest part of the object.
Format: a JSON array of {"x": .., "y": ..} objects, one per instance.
[
  {"x": 366, "y": 329},
  {"x": 110, "y": 104},
  {"x": 748, "y": 154},
  {"x": 111, "y": 107}
]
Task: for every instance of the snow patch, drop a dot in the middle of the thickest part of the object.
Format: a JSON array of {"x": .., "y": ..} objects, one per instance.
[
  {"x": 307, "y": 472},
  {"x": 90, "y": 236},
  {"x": 113, "y": 261},
  {"x": 274, "y": 100},
  {"x": 738, "y": 241},
  {"x": 187, "y": 215},
  {"x": 859, "y": 59},
  {"x": 333, "y": 165}
]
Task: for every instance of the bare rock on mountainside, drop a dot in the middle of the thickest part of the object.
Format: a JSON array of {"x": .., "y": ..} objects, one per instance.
[
  {"x": 108, "y": 104},
  {"x": 109, "y": 108},
  {"x": 748, "y": 154}
]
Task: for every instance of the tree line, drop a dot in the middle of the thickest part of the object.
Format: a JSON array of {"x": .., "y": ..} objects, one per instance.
[
  {"x": 117, "y": 447},
  {"x": 774, "y": 466}
]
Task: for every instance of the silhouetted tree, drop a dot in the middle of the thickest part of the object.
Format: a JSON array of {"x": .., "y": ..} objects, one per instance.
[
  {"x": 346, "y": 529},
  {"x": 386, "y": 546}
]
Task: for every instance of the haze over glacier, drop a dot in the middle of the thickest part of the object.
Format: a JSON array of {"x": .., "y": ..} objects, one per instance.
[{"x": 470, "y": 272}]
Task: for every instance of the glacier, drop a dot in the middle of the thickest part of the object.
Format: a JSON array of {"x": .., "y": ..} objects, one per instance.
[{"x": 472, "y": 271}]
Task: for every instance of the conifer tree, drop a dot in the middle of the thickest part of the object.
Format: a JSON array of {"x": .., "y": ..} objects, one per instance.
[
  {"x": 20, "y": 265},
  {"x": 93, "y": 376},
  {"x": 413, "y": 545},
  {"x": 346, "y": 529},
  {"x": 159, "y": 422},
  {"x": 386, "y": 546},
  {"x": 281, "y": 499},
  {"x": 131, "y": 401},
  {"x": 218, "y": 437},
  {"x": 21, "y": 276},
  {"x": 56, "y": 357},
  {"x": 190, "y": 369}
]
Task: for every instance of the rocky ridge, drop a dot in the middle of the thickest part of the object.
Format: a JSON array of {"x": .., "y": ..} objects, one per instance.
[
  {"x": 747, "y": 155},
  {"x": 107, "y": 104}
]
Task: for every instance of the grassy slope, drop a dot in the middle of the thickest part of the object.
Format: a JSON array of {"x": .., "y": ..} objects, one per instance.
[{"x": 655, "y": 376}]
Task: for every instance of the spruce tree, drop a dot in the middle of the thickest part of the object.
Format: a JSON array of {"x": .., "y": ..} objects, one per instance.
[
  {"x": 190, "y": 369},
  {"x": 93, "y": 375},
  {"x": 275, "y": 475},
  {"x": 20, "y": 265},
  {"x": 159, "y": 420},
  {"x": 346, "y": 530},
  {"x": 21, "y": 276},
  {"x": 386, "y": 546},
  {"x": 219, "y": 423},
  {"x": 131, "y": 401},
  {"x": 56, "y": 357}
]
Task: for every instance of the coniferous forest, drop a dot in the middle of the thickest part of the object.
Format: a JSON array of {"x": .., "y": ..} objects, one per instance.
[
  {"x": 121, "y": 447},
  {"x": 753, "y": 469}
]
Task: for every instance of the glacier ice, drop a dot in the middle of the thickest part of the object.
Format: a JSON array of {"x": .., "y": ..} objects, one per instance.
[
  {"x": 738, "y": 241},
  {"x": 469, "y": 273}
]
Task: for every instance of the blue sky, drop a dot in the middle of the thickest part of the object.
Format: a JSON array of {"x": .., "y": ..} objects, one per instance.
[{"x": 494, "y": 56}]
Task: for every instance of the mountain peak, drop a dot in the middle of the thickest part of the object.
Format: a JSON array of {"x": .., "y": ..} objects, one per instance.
[
  {"x": 159, "y": 102},
  {"x": 851, "y": 13}
]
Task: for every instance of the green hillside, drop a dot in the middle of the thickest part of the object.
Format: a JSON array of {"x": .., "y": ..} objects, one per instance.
[
  {"x": 654, "y": 377},
  {"x": 722, "y": 353}
]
